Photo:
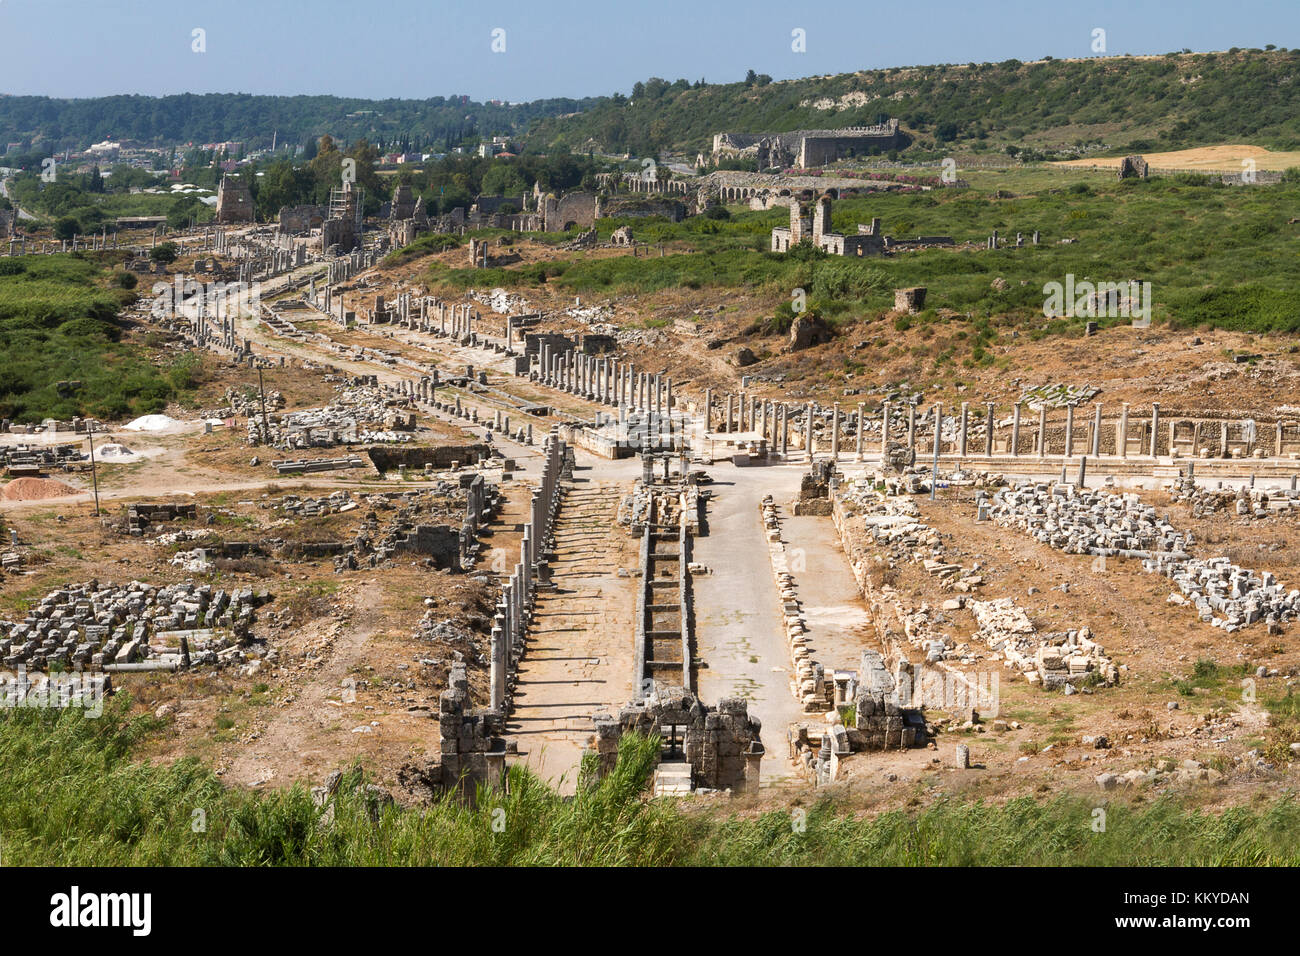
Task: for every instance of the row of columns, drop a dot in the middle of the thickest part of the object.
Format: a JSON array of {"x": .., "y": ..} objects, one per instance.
[{"x": 518, "y": 595}]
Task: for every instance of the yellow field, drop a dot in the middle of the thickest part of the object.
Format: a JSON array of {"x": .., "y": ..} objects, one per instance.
[{"x": 1226, "y": 158}]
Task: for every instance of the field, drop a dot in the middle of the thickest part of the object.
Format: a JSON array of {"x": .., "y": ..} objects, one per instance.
[{"x": 1202, "y": 158}]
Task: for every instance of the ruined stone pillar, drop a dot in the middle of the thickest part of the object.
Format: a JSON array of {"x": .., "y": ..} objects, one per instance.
[
  {"x": 1096, "y": 431},
  {"x": 988, "y": 430},
  {"x": 1015, "y": 430},
  {"x": 785, "y": 429},
  {"x": 1042, "y": 430},
  {"x": 1069, "y": 430},
  {"x": 708, "y": 409},
  {"x": 961, "y": 434},
  {"x": 860, "y": 422},
  {"x": 884, "y": 431},
  {"x": 762, "y": 425},
  {"x": 938, "y": 431},
  {"x": 911, "y": 427},
  {"x": 1121, "y": 437},
  {"x": 835, "y": 432},
  {"x": 810, "y": 443},
  {"x": 497, "y": 680},
  {"x": 1155, "y": 428}
]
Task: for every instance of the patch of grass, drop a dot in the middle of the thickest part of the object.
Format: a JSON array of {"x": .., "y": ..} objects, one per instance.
[{"x": 104, "y": 809}]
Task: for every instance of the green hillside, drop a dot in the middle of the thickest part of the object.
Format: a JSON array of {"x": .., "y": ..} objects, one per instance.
[{"x": 1164, "y": 102}]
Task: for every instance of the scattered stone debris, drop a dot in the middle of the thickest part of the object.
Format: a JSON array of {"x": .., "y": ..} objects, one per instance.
[
  {"x": 1245, "y": 502},
  {"x": 1110, "y": 525},
  {"x": 132, "y": 626},
  {"x": 1057, "y": 395},
  {"x": 809, "y": 684},
  {"x": 1053, "y": 660}
]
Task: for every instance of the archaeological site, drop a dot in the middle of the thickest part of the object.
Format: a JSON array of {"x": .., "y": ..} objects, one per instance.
[{"x": 867, "y": 464}]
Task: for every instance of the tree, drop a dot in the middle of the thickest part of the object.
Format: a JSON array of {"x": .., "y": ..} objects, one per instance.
[
  {"x": 164, "y": 252},
  {"x": 502, "y": 179},
  {"x": 66, "y": 227}
]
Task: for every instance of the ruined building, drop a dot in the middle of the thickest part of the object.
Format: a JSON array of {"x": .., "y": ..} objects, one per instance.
[
  {"x": 808, "y": 148},
  {"x": 581, "y": 208},
  {"x": 341, "y": 230},
  {"x": 406, "y": 216},
  {"x": 810, "y": 221},
  {"x": 234, "y": 201},
  {"x": 1133, "y": 167}
]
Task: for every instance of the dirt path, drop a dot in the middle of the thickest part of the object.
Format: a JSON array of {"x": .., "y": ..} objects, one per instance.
[{"x": 302, "y": 741}]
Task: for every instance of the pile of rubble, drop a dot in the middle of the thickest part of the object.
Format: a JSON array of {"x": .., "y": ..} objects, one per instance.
[
  {"x": 1089, "y": 522},
  {"x": 1229, "y": 596},
  {"x": 335, "y": 503},
  {"x": 880, "y": 719},
  {"x": 1058, "y": 659},
  {"x": 1057, "y": 395},
  {"x": 584, "y": 240},
  {"x": 32, "y": 459},
  {"x": 98, "y": 626},
  {"x": 895, "y": 525},
  {"x": 464, "y": 643},
  {"x": 1097, "y": 523},
  {"x": 244, "y": 402},
  {"x": 361, "y": 413},
  {"x": 1244, "y": 502},
  {"x": 809, "y": 684},
  {"x": 452, "y": 543},
  {"x": 668, "y": 505}
]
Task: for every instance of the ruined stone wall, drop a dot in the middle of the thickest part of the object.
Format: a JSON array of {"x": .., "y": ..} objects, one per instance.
[
  {"x": 234, "y": 201},
  {"x": 721, "y": 744},
  {"x": 296, "y": 220},
  {"x": 386, "y": 458},
  {"x": 579, "y": 208}
]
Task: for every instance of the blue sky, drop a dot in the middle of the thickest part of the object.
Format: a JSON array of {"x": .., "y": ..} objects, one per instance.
[{"x": 421, "y": 48}]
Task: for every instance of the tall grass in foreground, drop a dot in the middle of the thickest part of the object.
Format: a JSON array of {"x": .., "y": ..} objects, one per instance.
[{"x": 70, "y": 794}]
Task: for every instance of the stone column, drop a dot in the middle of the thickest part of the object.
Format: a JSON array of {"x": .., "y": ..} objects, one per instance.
[
  {"x": 785, "y": 429},
  {"x": 859, "y": 422},
  {"x": 1069, "y": 430},
  {"x": 938, "y": 430},
  {"x": 497, "y": 679},
  {"x": 1042, "y": 430},
  {"x": 835, "y": 432},
  {"x": 1096, "y": 431},
  {"x": 1015, "y": 430},
  {"x": 911, "y": 428},
  {"x": 884, "y": 431},
  {"x": 1155, "y": 428},
  {"x": 961, "y": 434},
  {"x": 1122, "y": 435},
  {"x": 810, "y": 444},
  {"x": 988, "y": 430}
]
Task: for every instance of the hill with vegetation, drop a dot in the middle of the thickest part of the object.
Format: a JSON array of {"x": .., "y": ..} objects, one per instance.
[
  {"x": 1049, "y": 106},
  {"x": 44, "y": 123}
]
